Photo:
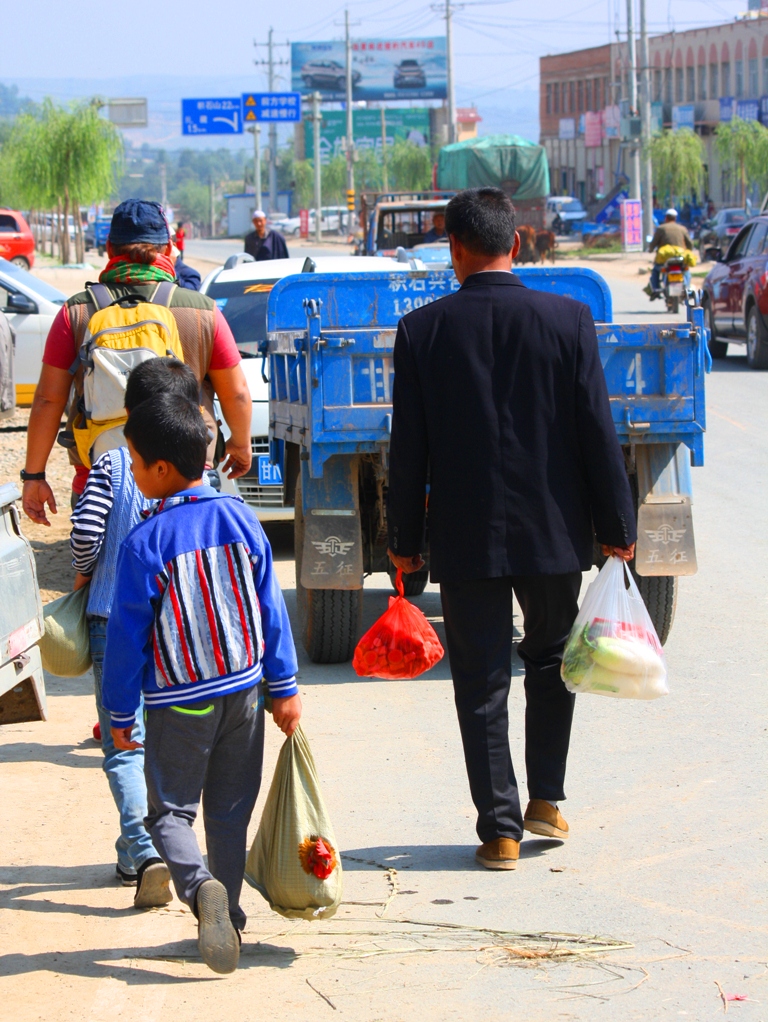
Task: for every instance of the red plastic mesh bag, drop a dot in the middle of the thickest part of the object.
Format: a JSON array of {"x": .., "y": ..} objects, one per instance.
[{"x": 402, "y": 643}]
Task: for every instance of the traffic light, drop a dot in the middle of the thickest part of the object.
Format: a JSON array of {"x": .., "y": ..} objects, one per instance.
[{"x": 351, "y": 199}]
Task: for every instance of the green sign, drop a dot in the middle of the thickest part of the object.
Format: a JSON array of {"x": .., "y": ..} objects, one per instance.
[{"x": 407, "y": 123}]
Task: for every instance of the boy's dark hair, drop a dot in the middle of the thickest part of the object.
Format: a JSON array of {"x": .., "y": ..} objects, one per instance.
[
  {"x": 170, "y": 428},
  {"x": 483, "y": 219},
  {"x": 160, "y": 376}
]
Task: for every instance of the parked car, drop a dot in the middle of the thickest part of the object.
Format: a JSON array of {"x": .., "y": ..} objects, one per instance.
[
  {"x": 30, "y": 305},
  {"x": 17, "y": 243},
  {"x": 97, "y": 232},
  {"x": 717, "y": 234},
  {"x": 409, "y": 74},
  {"x": 332, "y": 218},
  {"x": 242, "y": 293},
  {"x": 562, "y": 213},
  {"x": 327, "y": 74},
  {"x": 735, "y": 296}
]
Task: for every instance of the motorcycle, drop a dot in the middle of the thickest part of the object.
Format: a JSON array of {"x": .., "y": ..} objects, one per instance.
[{"x": 672, "y": 280}]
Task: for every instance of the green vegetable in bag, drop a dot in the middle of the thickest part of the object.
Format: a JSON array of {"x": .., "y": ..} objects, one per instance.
[
  {"x": 294, "y": 861},
  {"x": 65, "y": 647}
]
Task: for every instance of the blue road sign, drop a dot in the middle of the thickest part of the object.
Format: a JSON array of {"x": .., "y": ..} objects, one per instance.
[
  {"x": 212, "y": 116},
  {"x": 271, "y": 106}
]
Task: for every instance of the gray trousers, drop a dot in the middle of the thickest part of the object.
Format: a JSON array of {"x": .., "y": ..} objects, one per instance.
[{"x": 214, "y": 749}]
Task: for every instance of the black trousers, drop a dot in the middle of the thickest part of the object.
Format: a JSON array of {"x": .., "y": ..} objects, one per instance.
[{"x": 478, "y": 626}]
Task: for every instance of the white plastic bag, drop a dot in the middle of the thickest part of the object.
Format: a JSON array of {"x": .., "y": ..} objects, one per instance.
[{"x": 613, "y": 648}]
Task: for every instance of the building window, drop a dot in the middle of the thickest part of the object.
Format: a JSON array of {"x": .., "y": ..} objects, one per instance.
[
  {"x": 549, "y": 98},
  {"x": 599, "y": 99},
  {"x": 556, "y": 88},
  {"x": 690, "y": 84},
  {"x": 702, "y": 94},
  {"x": 713, "y": 89},
  {"x": 753, "y": 86},
  {"x": 738, "y": 67},
  {"x": 580, "y": 91},
  {"x": 725, "y": 78},
  {"x": 657, "y": 85},
  {"x": 679, "y": 94},
  {"x": 667, "y": 84},
  {"x": 589, "y": 93},
  {"x": 765, "y": 74},
  {"x": 572, "y": 97}
]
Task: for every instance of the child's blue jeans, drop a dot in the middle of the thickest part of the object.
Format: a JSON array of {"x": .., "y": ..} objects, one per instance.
[{"x": 124, "y": 769}]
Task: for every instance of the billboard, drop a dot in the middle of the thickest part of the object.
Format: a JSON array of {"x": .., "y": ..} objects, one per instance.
[
  {"x": 381, "y": 69},
  {"x": 412, "y": 124}
]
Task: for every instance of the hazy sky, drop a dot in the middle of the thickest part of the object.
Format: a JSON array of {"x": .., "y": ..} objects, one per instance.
[{"x": 497, "y": 43}]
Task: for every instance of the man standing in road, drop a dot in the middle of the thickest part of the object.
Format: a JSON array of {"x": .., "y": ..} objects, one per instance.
[
  {"x": 139, "y": 248},
  {"x": 500, "y": 402},
  {"x": 668, "y": 233},
  {"x": 263, "y": 243}
]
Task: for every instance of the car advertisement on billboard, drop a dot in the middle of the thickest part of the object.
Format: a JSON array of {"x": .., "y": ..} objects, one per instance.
[{"x": 381, "y": 69}]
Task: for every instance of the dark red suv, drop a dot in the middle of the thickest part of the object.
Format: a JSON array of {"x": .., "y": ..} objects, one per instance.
[{"x": 736, "y": 295}]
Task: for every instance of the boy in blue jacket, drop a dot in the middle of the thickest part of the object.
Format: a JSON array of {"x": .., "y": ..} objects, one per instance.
[{"x": 199, "y": 622}]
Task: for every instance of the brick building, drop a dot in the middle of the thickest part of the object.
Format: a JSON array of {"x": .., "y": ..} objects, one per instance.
[{"x": 698, "y": 78}]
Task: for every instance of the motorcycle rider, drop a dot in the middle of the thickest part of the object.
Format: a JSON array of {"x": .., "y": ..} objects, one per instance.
[{"x": 668, "y": 233}]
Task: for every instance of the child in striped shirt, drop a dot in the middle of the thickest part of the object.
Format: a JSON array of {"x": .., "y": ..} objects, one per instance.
[
  {"x": 199, "y": 623},
  {"x": 106, "y": 512}
]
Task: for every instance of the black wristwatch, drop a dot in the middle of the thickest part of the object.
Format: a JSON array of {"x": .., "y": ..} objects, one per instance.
[{"x": 29, "y": 476}]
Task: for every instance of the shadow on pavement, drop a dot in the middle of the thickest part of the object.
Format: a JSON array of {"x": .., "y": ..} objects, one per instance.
[
  {"x": 61, "y": 755},
  {"x": 732, "y": 364},
  {"x": 431, "y": 858}
]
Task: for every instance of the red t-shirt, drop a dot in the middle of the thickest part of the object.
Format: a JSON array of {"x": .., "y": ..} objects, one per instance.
[{"x": 60, "y": 353}]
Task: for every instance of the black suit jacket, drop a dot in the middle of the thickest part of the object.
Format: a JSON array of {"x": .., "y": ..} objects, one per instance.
[
  {"x": 271, "y": 246},
  {"x": 500, "y": 403}
]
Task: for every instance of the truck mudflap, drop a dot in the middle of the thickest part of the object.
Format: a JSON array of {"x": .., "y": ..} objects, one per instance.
[
  {"x": 332, "y": 545},
  {"x": 665, "y": 540}
]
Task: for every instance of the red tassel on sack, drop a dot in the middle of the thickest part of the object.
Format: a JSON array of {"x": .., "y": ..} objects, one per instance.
[{"x": 401, "y": 644}]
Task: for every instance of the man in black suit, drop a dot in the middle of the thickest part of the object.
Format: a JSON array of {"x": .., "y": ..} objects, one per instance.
[
  {"x": 501, "y": 405},
  {"x": 263, "y": 243}
]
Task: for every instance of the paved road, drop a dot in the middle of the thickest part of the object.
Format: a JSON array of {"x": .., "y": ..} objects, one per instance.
[
  {"x": 216, "y": 250},
  {"x": 666, "y": 804}
]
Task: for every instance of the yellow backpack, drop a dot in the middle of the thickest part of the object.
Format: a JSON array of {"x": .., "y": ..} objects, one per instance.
[{"x": 121, "y": 334}]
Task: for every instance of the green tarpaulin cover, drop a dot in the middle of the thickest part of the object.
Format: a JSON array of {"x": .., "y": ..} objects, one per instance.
[{"x": 506, "y": 161}]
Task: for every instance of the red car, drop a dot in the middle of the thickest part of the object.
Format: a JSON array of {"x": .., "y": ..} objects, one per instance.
[
  {"x": 17, "y": 243},
  {"x": 736, "y": 295}
]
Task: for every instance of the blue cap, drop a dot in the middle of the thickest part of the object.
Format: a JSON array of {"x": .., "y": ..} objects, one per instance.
[{"x": 136, "y": 220}]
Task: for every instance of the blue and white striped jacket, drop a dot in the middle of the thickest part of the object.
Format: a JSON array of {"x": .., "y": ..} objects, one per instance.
[{"x": 198, "y": 612}]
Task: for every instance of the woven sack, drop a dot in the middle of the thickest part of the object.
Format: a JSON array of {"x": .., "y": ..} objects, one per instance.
[
  {"x": 65, "y": 647},
  {"x": 294, "y": 861}
]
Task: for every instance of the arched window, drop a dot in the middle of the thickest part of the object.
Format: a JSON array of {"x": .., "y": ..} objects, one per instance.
[
  {"x": 738, "y": 70},
  {"x": 701, "y": 75},
  {"x": 753, "y": 78},
  {"x": 725, "y": 71},
  {"x": 714, "y": 76}
]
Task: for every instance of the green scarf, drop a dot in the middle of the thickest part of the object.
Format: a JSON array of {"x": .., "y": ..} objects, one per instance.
[{"x": 120, "y": 270}]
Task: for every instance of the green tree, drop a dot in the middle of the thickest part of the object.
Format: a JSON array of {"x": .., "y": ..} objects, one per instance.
[
  {"x": 409, "y": 165},
  {"x": 193, "y": 201},
  {"x": 334, "y": 181},
  {"x": 304, "y": 182},
  {"x": 368, "y": 171},
  {"x": 742, "y": 147},
  {"x": 678, "y": 167}
]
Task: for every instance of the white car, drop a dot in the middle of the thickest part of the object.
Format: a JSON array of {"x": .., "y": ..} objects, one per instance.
[
  {"x": 562, "y": 214},
  {"x": 332, "y": 218},
  {"x": 242, "y": 293},
  {"x": 30, "y": 305}
]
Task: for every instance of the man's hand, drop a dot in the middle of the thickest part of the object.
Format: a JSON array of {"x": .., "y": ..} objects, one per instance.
[
  {"x": 36, "y": 493},
  {"x": 238, "y": 459},
  {"x": 80, "y": 581},
  {"x": 408, "y": 564},
  {"x": 121, "y": 736},
  {"x": 625, "y": 553},
  {"x": 287, "y": 713}
]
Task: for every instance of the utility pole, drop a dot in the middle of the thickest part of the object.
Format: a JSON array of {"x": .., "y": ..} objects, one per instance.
[
  {"x": 385, "y": 175},
  {"x": 271, "y": 63},
  {"x": 256, "y": 129},
  {"x": 634, "y": 187},
  {"x": 645, "y": 119},
  {"x": 316, "y": 119},
  {"x": 449, "y": 68}
]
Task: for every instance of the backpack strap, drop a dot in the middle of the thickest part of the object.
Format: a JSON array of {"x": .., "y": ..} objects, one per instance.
[
  {"x": 163, "y": 293},
  {"x": 100, "y": 296}
]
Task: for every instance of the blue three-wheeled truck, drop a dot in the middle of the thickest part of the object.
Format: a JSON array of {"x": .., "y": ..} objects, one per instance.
[{"x": 330, "y": 343}]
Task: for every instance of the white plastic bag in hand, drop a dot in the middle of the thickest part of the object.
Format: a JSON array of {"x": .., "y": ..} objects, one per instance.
[{"x": 613, "y": 648}]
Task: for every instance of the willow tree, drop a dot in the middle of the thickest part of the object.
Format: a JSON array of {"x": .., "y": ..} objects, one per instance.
[
  {"x": 409, "y": 165},
  {"x": 742, "y": 147},
  {"x": 678, "y": 163}
]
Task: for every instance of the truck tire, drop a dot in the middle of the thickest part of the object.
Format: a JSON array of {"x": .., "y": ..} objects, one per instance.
[
  {"x": 717, "y": 349},
  {"x": 659, "y": 592},
  {"x": 330, "y": 620},
  {"x": 414, "y": 584},
  {"x": 757, "y": 340}
]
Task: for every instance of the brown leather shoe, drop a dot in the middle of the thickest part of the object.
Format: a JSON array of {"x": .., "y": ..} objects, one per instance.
[
  {"x": 543, "y": 819},
  {"x": 502, "y": 853}
]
